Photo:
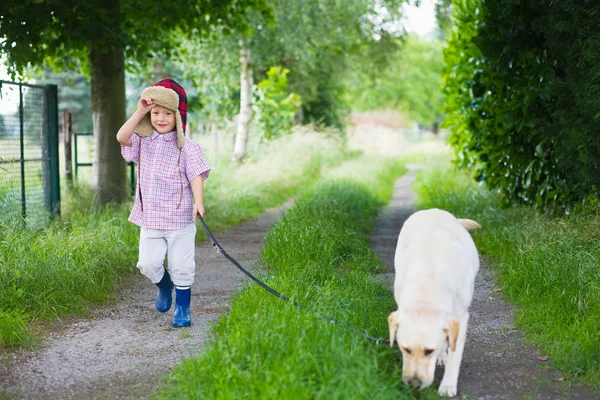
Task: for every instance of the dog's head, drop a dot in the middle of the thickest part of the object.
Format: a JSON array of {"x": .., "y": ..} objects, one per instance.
[{"x": 423, "y": 335}]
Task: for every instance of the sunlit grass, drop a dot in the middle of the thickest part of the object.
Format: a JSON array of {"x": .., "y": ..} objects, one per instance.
[
  {"x": 319, "y": 255},
  {"x": 272, "y": 173},
  {"x": 548, "y": 267},
  {"x": 369, "y": 170}
]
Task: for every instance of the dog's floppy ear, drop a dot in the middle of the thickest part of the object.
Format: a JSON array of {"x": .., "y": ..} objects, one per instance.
[
  {"x": 393, "y": 327},
  {"x": 452, "y": 333}
]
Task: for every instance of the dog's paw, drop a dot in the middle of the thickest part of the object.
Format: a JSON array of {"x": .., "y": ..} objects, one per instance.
[{"x": 447, "y": 390}]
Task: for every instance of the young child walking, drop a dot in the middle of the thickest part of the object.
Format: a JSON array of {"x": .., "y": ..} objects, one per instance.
[{"x": 169, "y": 193}]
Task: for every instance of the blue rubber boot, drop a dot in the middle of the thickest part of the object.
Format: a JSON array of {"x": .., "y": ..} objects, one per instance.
[
  {"x": 164, "y": 297},
  {"x": 181, "y": 316}
]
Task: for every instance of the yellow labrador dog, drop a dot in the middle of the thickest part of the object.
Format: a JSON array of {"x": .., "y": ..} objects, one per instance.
[{"x": 436, "y": 262}]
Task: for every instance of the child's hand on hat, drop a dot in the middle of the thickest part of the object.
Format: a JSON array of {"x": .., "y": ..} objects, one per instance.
[{"x": 145, "y": 104}]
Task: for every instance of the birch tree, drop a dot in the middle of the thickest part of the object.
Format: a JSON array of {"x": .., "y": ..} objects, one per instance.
[{"x": 245, "y": 116}]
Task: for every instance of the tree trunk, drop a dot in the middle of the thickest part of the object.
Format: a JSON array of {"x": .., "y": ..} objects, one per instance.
[
  {"x": 107, "y": 72},
  {"x": 241, "y": 138},
  {"x": 68, "y": 140},
  {"x": 159, "y": 71}
]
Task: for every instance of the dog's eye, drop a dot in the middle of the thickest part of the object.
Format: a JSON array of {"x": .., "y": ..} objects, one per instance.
[
  {"x": 406, "y": 349},
  {"x": 428, "y": 352}
]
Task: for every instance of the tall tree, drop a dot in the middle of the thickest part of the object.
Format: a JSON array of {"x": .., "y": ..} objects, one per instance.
[
  {"x": 102, "y": 38},
  {"x": 314, "y": 39},
  {"x": 246, "y": 83}
]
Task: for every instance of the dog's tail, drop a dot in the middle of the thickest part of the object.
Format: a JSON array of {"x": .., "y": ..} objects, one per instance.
[{"x": 469, "y": 224}]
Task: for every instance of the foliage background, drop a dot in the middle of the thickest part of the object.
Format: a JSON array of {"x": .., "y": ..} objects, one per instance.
[
  {"x": 521, "y": 82},
  {"x": 400, "y": 74}
]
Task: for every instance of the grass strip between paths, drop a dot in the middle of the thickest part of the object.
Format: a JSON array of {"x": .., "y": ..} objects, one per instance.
[
  {"x": 319, "y": 255},
  {"x": 546, "y": 266}
]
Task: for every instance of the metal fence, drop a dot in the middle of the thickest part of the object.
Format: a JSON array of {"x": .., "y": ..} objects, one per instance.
[
  {"x": 83, "y": 154},
  {"x": 29, "y": 161}
]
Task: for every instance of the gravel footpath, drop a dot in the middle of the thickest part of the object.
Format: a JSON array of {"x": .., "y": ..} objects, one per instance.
[
  {"x": 496, "y": 364},
  {"x": 125, "y": 350}
]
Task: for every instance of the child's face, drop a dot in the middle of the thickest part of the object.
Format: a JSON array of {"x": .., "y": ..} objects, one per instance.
[{"x": 163, "y": 120}]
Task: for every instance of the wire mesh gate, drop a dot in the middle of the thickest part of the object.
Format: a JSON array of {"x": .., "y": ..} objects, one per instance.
[
  {"x": 83, "y": 153},
  {"x": 29, "y": 166}
]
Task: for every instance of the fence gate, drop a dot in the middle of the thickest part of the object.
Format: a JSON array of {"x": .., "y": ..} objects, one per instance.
[
  {"x": 29, "y": 167},
  {"x": 88, "y": 154}
]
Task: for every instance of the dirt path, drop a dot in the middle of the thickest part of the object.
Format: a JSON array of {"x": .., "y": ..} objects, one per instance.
[
  {"x": 496, "y": 363},
  {"x": 125, "y": 349}
]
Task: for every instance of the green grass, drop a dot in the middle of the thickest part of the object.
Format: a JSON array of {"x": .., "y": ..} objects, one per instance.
[
  {"x": 547, "y": 266},
  {"x": 57, "y": 271},
  {"x": 271, "y": 174},
  {"x": 80, "y": 260},
  {"x": 319, "y": 255},
  {"x": 374, "y": 172}
]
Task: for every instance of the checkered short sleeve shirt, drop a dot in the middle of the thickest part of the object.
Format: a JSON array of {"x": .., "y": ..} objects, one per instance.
[{"x": 165, "y": 176}]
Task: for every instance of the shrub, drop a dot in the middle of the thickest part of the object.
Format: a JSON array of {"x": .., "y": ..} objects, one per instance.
[{"x": 520, "y": 82}]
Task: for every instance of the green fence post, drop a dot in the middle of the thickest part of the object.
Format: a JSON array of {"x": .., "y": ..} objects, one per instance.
[
  {"x": 22, "y": 156},
  {"x": 76, "y": 158},
  {"x": 51, "y": 92}
]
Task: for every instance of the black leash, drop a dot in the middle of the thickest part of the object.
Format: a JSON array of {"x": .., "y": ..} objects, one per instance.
[{"x": 332, "y": 321}]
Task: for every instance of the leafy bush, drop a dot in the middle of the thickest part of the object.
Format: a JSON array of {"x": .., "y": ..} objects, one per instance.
[
  {"x": 520, "y": 82},
  {"x": 275, "y": 106}
]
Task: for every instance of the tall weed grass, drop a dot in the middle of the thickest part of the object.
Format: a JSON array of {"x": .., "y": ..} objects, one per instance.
[
  {"x": 547, "y": 266},
  {"x": 272, "y": 173},
  {"x": 57, "y": 271},
  {"x": 319, "y": 255}
]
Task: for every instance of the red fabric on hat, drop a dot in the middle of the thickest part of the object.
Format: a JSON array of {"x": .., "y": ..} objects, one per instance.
[{"x": 171, "y": 84}]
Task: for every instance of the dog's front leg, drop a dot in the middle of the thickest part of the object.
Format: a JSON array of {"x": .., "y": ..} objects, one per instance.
[
  {"x": 443, "y": 358},
  {"x": 450, "y": 379}
]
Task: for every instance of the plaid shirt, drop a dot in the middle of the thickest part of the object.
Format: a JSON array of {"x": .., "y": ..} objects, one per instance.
[{"x": 164, "y": 180}]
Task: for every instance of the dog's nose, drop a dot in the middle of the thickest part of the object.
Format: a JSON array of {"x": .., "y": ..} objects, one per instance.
[{"x": 414, "y": 382}]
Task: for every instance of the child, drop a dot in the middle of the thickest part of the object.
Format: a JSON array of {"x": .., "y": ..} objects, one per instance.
[{"x": 170, "y": 188}]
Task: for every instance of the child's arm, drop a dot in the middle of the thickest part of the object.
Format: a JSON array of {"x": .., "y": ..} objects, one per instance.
[
  {"x": 124, "y": 134},
  {"x": 197, "y": 185}
]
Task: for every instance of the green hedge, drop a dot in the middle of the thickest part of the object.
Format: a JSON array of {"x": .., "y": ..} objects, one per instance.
[{"x": 523, "y": 103}]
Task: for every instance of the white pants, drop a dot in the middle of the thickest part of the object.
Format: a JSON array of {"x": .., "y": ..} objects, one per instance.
[{"x": 179, "y": 246}]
